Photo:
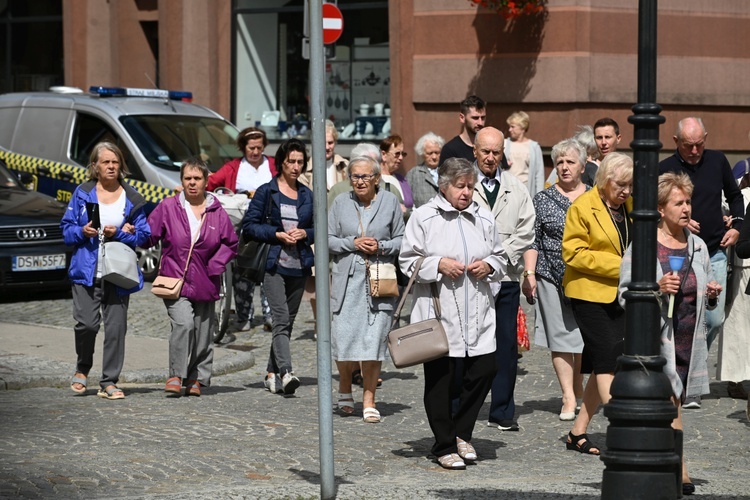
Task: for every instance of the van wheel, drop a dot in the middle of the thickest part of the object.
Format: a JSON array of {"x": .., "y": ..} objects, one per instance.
[{"x": 149, "y": 259}]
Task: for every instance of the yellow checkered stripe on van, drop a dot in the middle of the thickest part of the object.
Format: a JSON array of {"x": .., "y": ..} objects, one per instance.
[
  {"x": 39, "y": 166},
  {"x": 152, "y": 194},
  {"x": 74, "y": 174}
]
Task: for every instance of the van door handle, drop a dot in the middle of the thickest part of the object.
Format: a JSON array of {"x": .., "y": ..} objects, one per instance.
[
  {"x": 66, "y": 176},
  {"x": 43, "y": 170}
]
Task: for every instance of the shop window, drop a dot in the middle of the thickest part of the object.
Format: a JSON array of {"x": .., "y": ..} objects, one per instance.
[{"x": 272, "y": 74}]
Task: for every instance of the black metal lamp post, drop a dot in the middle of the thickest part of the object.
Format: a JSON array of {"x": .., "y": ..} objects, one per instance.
[{"x": 643, "y": 452}]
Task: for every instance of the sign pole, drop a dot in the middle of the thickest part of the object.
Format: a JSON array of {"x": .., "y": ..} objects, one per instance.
[{"x": 320, "y": 204}]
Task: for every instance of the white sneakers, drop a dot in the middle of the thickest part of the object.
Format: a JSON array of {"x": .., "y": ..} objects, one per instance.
[
  {"x": 289, "y": 383},
  {"x": 273, "y": 384}
]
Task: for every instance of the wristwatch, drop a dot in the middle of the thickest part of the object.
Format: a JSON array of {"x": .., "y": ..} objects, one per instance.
[{"x": 527, "y": 272}]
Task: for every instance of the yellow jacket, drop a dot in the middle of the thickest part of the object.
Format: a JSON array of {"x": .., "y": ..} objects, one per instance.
[{"x": 591, "y": 250}]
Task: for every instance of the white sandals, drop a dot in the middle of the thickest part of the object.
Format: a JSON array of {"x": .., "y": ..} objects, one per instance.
[
  {"x": 371, "y": 415},
  {"x": 451, "y": 461},
  {"x": 465, "y": 450},
  {"x": 346, "y": 403}
]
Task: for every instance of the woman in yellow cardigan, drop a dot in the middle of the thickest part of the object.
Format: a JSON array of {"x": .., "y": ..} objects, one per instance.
[{"x": 597, "y": 233}]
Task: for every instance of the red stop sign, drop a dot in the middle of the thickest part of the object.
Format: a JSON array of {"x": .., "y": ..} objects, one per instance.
[{"x": 333, "y": 23}]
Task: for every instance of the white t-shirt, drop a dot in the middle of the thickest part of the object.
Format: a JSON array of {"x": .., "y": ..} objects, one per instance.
[
  {"x": 250, "y": 178},
  {"x": 195, "y": 221},
  {"x": 110, "y": 214},
  {"x": 330, "y": 174}
]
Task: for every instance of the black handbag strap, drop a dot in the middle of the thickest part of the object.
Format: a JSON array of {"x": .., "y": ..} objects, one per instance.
[{"x": 433, "y": 292}]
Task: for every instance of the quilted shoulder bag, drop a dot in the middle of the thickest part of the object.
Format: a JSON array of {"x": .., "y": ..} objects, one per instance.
[
  {"x": 418, "y": 342},
  {"x": 381, "y": 276}
]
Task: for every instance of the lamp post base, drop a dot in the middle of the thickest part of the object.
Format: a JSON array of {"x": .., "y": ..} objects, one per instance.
[{"x": 643, "y": 451}]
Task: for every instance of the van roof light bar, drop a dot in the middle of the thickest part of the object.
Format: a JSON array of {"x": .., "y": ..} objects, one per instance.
[{"x": 177, "y": 95}]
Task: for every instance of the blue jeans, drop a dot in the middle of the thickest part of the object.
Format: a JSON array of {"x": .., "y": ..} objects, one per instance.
[{"x": 715, "y": 317}]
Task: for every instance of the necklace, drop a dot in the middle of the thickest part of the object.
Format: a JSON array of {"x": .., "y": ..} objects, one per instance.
[
  {"x": 617, "y": 221},
  {"x": 615, "y": 213},
  {"x": 465, "y": 335}
]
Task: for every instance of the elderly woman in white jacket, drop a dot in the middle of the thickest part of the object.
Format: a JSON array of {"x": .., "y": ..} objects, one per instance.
[{"x": 463, "y": 254}]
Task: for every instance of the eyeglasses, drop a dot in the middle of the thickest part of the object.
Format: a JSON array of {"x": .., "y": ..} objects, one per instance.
[
  {"x": 399, "y": 154},
  {"x": 366, "y": 178}
]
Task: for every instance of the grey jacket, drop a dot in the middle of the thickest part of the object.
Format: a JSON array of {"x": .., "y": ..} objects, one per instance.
[
  {"x": 423, "y": 187},
  {"x": 386, "y": 225},
  {"x": 438, "y": 230},
  {"x": 697, "y": 381}
]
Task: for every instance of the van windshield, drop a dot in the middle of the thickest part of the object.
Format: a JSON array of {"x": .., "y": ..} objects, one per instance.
[{"x": 167, "y": 140}]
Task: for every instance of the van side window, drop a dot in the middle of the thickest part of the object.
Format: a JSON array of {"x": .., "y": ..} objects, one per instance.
[{"x": 88, "y": 131}]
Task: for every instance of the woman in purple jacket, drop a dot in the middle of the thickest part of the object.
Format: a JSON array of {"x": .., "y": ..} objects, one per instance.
[{"x": 192, "y": 216}]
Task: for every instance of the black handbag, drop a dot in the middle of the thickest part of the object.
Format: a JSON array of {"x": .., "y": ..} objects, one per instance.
[
  {"x": 251, "y": 259},
  {"x": 252, "y": 255}
]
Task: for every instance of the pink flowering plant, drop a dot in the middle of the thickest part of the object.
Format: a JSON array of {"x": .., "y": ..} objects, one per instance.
[{"x": 512, "y": 9}]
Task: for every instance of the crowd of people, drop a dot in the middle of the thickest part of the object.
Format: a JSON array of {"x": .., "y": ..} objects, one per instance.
[{"x": 482, "y": 225}]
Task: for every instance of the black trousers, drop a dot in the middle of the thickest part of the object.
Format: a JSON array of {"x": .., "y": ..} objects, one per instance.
[{"x": 476, "y": 382}]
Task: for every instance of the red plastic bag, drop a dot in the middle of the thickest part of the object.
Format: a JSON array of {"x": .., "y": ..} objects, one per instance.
[{"x": 522, "y": 333}]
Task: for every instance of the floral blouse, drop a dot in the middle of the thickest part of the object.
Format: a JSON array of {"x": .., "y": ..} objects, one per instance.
[{"x": 551, "y": 208}]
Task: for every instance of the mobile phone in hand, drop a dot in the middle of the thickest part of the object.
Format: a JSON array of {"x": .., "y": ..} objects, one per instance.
[{"x": 93, "y": 212}]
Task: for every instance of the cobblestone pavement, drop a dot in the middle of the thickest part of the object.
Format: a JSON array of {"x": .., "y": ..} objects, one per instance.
[{"x": 239, "y": 441}]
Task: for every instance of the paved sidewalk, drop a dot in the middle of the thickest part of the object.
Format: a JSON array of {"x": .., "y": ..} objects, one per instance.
[
  {"x": 41, "y": 356},
  {"x": 239, "y": 441}
]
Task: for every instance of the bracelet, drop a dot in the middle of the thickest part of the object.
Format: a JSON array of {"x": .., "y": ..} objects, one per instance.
[{"x": 527, "y": 272}]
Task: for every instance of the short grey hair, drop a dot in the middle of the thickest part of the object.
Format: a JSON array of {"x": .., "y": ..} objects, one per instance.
[
  {"x": 364, "y": 160},
  {"x": 585, "y": 136},
  {"x": 367, "y": 149},
  {"x": 454, "y": 168},
  {"x": 567, "y": 146},
  {"x": 428, "y": 137}
]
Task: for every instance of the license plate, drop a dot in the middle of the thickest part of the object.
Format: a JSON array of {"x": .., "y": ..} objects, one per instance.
[{"x": 38, "y": 262}]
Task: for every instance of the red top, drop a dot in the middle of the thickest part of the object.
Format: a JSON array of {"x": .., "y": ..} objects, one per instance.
[{"x": 226, "y": 176}]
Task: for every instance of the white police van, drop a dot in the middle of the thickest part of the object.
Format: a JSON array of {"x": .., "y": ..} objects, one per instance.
[{"x": 47, "y": 137}]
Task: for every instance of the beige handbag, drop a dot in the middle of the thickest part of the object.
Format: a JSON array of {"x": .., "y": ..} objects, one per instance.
[
  {"x": 418, "y": 342},
  {"x": 382, "y": 279},
  {"x": 169, "y": 288},
  {"x": 381, "y": 276}
]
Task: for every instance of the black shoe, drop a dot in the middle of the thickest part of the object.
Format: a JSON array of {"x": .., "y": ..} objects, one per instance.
[
  {"x": 736, "y": 390},
  {"x": 504, "y": 425},
  {"x": 688, "y": 488}
]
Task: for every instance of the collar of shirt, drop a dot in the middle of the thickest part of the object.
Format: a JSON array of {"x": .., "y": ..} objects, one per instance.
[
  {"x": 433, "y": 173},
  {"x": 481, "y": 177}
]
